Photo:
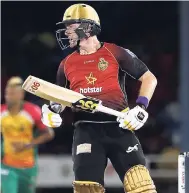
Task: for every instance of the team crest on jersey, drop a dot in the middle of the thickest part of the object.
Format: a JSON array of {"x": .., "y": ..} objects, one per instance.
[{"x": 103, "y": 64}]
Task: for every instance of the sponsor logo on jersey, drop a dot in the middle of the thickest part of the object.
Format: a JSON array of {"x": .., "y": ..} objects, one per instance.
[
  {"x": 90, "y": 90},
  {"x": 91, "y": 81},
  {"x": 103, "y": 64}
]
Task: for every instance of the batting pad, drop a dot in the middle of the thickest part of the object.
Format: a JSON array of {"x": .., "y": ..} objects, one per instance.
[
  {"x": 87, "y": 187},
  {"x": 138, "y": 180}
]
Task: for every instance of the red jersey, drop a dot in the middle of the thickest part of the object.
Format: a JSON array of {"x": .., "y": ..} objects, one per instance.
[{"x": 102, "y": 74}]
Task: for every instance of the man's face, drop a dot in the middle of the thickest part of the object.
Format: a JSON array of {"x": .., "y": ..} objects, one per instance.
[
  {"x": 13, "y": 95},
  {"x": 70, "y": 33}
]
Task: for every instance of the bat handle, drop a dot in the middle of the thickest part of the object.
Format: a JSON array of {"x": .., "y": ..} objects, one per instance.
[{"x": 109, "y": 111}]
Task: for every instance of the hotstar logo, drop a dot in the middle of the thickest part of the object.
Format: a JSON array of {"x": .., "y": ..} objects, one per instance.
[
  {"x": 90, "y": 79},
  {"x": 90, "y": 90}
]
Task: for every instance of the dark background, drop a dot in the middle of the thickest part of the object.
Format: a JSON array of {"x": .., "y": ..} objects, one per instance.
[{"x": 149, "y": 29}]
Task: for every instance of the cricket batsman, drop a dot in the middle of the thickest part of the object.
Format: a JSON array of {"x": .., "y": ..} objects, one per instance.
[
  {"x": 21, "y": 130},
  {"x": 98, "y": 69}
]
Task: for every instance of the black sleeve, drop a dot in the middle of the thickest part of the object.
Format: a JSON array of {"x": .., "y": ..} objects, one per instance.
[
  {"x": 130, "y": 63},
  {"x": 61, "y": 79}
]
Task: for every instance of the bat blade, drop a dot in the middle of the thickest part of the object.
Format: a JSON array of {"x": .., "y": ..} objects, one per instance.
[
  {"x": 51, "y": 92},
  {"x": 66, "y": 97}
]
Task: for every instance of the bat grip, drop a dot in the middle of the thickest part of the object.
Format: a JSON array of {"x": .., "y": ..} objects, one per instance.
[{"x": 109, "y": 111}]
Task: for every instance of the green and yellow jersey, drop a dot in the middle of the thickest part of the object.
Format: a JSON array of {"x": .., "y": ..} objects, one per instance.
[{"x": 22, "y": 127}]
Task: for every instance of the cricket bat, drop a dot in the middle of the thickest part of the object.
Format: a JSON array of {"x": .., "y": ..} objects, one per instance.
[{"x": 66, "y": 97}]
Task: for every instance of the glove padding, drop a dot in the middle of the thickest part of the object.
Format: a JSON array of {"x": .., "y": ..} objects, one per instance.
[
  {"x": 49, "y": 118},
  {"x": 134, "y": 119}
]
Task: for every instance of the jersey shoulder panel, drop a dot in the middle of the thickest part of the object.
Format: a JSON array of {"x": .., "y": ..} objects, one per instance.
[
  {"x": 33, "y": 109},
  {"x": 113, "y": 49},
  {"x": 110, "y": 46},
  {"x": 65, "y": 60}
]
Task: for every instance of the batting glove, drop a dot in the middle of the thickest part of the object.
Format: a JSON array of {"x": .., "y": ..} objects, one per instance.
[
  {"x": 49, "y": 118},
  {"x": 56, "y": 107},
  {"x": 134, "y": 119}
]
